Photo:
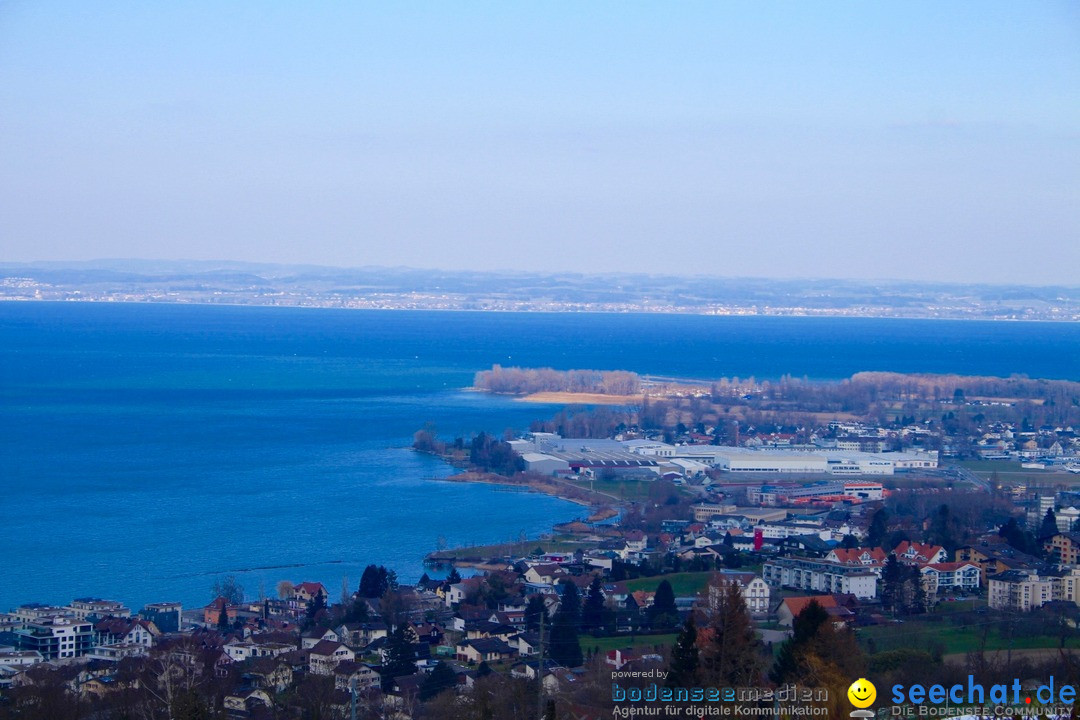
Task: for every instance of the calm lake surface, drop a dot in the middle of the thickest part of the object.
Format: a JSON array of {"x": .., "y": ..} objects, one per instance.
[{"x": 148, "y": 450}]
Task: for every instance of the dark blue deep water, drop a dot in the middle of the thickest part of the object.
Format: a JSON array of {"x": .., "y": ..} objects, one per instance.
[{"x": 147, "y": 450}]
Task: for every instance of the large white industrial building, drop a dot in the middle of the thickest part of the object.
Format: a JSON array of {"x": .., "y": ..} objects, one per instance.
[{"x": 542, "y": 452}]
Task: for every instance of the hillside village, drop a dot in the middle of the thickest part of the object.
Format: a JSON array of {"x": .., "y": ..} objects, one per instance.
[
  {"x": 906, "y": 547},
  {"x": 835, "y": 529}
]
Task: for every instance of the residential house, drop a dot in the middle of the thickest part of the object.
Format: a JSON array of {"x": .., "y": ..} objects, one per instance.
[
  {"x": 125, "y": 631},
  {"x": 273, "y": 674},
  {"x": 915, "y": 553},
  {"x": 455, "y": 594},
  {"x": 483, "y": 650},
  {"x": 547, "y": 574},
  {"x": 212, "y": 612},
  {"x": 754, "y": 590},
  {"x": 313, "y": 637},
  {"x": 869, "y": 558},
  {"x": 350, "y": 673},
  {"x": 324, "y": 657},
  {"x": 995, "y": 558},
  {"x": 244, "y": 702},
  {"x": 361, "y": 634},
  {"x": 304, "y": 593},
  {"x": 837, "y": 607},
  {"x": 805, "y": 545}
]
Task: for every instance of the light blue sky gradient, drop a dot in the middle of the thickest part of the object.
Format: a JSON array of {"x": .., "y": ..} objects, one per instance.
[{"x": 922, "y": 140}]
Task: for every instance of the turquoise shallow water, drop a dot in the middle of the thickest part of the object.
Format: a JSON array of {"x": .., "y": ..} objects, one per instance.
[{"x": 146, "y": 450}]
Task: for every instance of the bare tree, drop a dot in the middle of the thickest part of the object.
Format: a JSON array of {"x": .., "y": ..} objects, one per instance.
[{"x": 284, "y": 590}]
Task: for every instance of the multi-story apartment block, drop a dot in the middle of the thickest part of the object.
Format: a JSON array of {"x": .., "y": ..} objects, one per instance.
[
  {"x": 56, "y": 638},
  {"x": 1024, "y": 590},
  {"x": 96, "y": 609},
  {"x": 1063, "y": 548},
  {"x": 820, "y": 576},
  {"x": 950, "y": 576}
]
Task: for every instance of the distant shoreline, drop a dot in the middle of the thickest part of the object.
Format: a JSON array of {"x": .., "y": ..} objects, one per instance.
[{"x": 568, "y": 309}]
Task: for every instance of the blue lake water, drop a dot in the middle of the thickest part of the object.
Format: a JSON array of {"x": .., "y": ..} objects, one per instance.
[{"x": 147, "y": 450}]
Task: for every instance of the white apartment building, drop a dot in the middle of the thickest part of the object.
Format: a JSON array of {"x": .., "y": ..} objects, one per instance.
[{"x": 820, "y": 576}]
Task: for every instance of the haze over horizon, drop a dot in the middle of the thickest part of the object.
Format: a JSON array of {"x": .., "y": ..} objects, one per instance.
[
  {"x": 211, "y": 265},
  {"x": 915, "y": 142}
]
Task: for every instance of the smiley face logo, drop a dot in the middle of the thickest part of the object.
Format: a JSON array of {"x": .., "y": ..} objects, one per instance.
[{"x": 862, "y": 693}]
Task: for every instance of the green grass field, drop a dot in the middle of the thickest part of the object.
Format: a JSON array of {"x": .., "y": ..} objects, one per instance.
[
  {"x": 965, "y": 605},
  {"x": 631, "y": 490},
  {"x": 989, "y": 466},
  {"x": 684, "y": 584},
  {"x": 1009, "y": 471},
  {"x": 949, "y": 638},
  {"x": 622, "y": 642}
]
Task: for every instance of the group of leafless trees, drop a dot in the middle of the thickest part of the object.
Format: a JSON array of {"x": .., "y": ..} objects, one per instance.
[{"x": 521, "y": 381}]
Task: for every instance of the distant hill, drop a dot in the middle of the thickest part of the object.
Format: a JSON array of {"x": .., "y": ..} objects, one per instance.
[{"x": 243, "y": 283}]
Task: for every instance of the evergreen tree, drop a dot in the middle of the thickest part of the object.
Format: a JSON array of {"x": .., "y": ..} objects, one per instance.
[
  {"x": 592, "y": 614},
  {"x": 919, "y": 600},
  {"x": 683, "y": 671},
  {"x": 1049, "y": 525},
  {"x": 223, "y": 618},
  {"x": 454, "y": 577},
  {"x": 663, "y": 613},
  {"x": 399, "y": 656},
  {"x": 570, "y": 604},
  {"x": 943, "y": 529},
  {"x": 1016, "y": 537},
  {"x": 534, "y": 609},
  {"x": 820, "y": 654},
  {"x": 892, "y": 584},
  {"x": 563, "y": 644},
  {"x": 376, "y": 581},
  {"x": 357, "y": 611},
  {"x": 879, "y": 527},
  {"x": 849, "y": 542},
  {"x": 731, "y": 651},
  {"x": 317, "y": 604},
  {"x": 804, "y": 628},
  {"x": 442, "y": 677}
]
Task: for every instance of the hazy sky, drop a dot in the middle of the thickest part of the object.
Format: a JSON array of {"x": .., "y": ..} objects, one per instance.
[{"x": 927, "y": 140}]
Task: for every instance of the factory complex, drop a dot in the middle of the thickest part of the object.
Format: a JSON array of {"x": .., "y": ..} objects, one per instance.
[{"x": 549, "y": 453}]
